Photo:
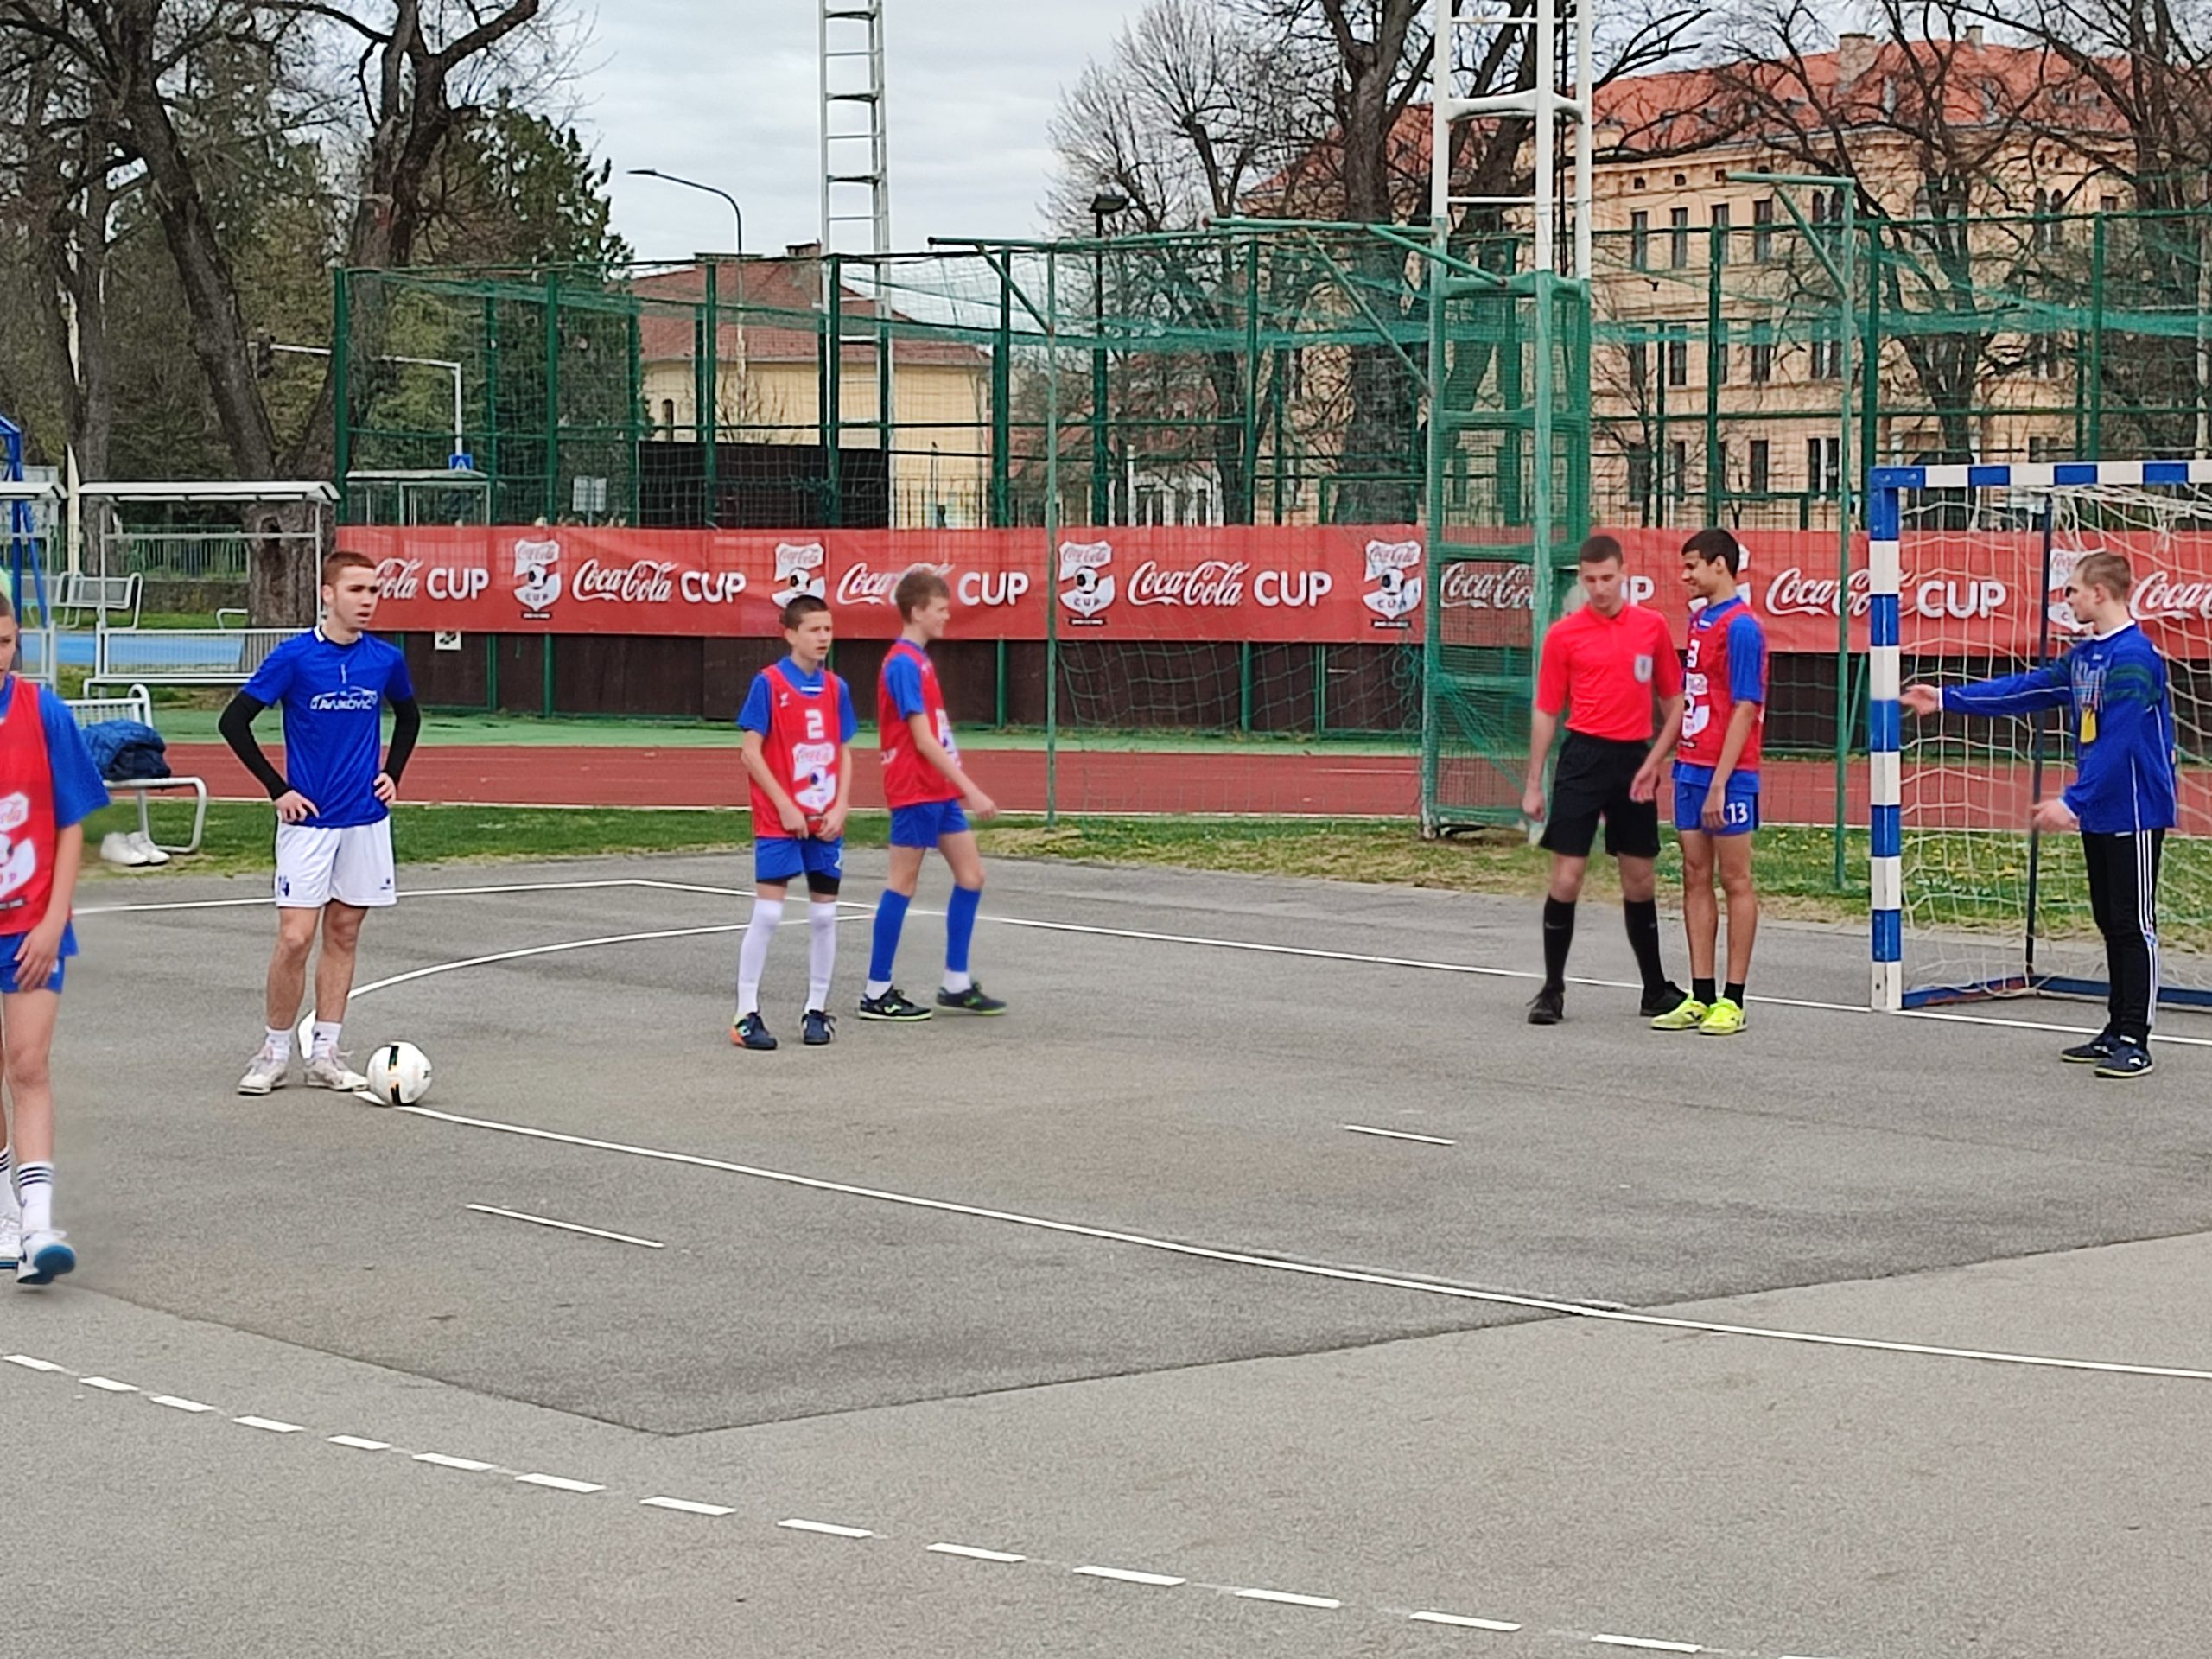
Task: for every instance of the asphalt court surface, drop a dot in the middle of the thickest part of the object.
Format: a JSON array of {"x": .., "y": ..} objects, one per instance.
[{"x": 869, "y": 1298}]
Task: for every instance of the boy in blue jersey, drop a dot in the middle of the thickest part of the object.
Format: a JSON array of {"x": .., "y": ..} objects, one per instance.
[
  {"x": 333, "y": 819},
  {"x": 48, "y": 787},
  {"x": 798, "y": 725},
  {"x": 2121, "y": 799}
]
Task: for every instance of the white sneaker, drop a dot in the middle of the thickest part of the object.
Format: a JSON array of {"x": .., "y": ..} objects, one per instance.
[
  {"x": 328, "y": 1071},
  {"x": 268, "y": 1071},
  {"x": 45, "y": 1258},
  {"x": 11, "y": 1241},
  {"x": 148, "y": 852},
  {"x": 116, "y": 847}
]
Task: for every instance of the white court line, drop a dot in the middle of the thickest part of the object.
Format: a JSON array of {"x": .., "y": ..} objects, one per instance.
[
  {"x": 269, "y": 1425},
  {"x": 1645, "y": 1643},
  {"x": 1399, "y": 1134},
  {"x": 969, "y": 1552},
  {"x": 268, "y": 902},
  {"x": 467, "y": 1465},
  {"x": 827, "y": 1529},
  {"x": 108, "y": 1385},
  {"x": 176, "y": 1403},
  {"x": 1286, "y": 1599},
  {"x": 1123, "y": 1575},
  {"x": 1462, "y": 1622},
  {"x": 683, "y": 1505},
  {"x": 29, "y": 1364},
  {"x": 555, "y": 1483},
  {"x": 565, "y": 1226},
  {"x": 1315, "y": 1269},
  {"x": 359, "y": 1444}
]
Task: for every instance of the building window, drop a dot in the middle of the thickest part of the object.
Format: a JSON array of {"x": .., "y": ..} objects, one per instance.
[
  {"x": 1639, "y": 366},
  {"x": 1639, "y": 240},
  {"x": 668, "y": 415},
  {"x": 1828, "y": 359},
  {"x": 1639, "y": 476},
  {"x": 1678, "y": 238},
  {"x": 1762, "y": 472},
  {"x": 2043, "y": 357},
  {"x": 2107, "y": 204},
  {"x": 1720, "y": 359},
  {"x": 1763, "y": 229},
  {"x": 1824, "y": 465},
  {"x": 1678, "y": 360},
  {"x": 1678, "y": 469},
  {"x": 2050, "y": 227},
  {"x": 1762, "y": 356},
  {"x": 1720, "y": 233},
  {"x": 2041, "y": 451}
]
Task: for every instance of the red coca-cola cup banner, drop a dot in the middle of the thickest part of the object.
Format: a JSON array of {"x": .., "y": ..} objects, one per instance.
[{"x": 1965, "y": 594}]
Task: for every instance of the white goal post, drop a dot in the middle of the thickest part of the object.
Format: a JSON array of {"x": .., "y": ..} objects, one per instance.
[{"x": 1967, "y": 568}]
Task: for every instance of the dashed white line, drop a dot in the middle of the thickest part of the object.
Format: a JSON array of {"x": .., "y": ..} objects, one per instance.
[
  {"x": 467, "y": 1465},
  {"x": 557, "y": 1483},
  {"x": 969, "y": 1552},
  {"x": 565, "y": 1226},
  {"x": 1645, "y": 1643},
  {"x": 1461, "y": 1621},
  {"x": 108, "y": 1385},
  {"x": 1123, "y": 1575},
  {"x": 29, "y": 1364},
  {"x": 360, "y": 1445},
  {"x": 1400, "y": 1134},
  {"x": 683, "y": 1505},
  {"x": 175, "y": 1402},
  {"x": 269, "y": 1425},
  {"x": 827, "y": 1529},
  {"x": 1288, "y": 1599}
]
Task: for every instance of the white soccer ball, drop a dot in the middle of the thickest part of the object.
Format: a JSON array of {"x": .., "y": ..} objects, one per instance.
[{"x": 399, "y": 1074}]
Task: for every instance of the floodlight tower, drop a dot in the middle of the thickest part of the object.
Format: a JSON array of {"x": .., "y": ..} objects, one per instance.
[
  {"x": 855, "y": 150},
  {"x": 1481, "y": 31}
]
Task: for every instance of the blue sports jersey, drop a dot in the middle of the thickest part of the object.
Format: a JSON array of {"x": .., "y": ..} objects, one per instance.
[
  {"x": 333, "y": 697},
  {"x": 2124, "y": 734},
  {"x": 902, "y": 678}
]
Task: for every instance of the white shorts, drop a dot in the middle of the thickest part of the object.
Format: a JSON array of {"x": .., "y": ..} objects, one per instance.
[{"x": 352, "y": 866}]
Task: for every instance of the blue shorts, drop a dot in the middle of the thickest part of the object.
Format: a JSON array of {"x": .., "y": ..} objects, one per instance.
[
  {"x": 11, "y": 943},
  {"x": 926, "y": 824},
  {"x": 778, "y": 859},
  {"x": 1692, "y": 784}
]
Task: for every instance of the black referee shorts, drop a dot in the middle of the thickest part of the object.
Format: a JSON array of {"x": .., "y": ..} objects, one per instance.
[{"x": 1592, "y": 782}]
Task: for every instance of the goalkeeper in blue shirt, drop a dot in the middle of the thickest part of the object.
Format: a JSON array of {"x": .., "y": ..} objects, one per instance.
[{"x": 2114, "y": 685}]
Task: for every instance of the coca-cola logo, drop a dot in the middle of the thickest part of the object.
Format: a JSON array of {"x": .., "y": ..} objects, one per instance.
[
  {"x": 1471, "y": 587},
  {"x": 642, "y": 582},
  {"x": 2161, "y": 598},
  {"x": 399, "y": 578},
  {"x": 1210, "y": 583},
  {"x": 1794, "y": 593},
  {"x": 1396, "y": 591},
  {"x": 1087, "y": 585},
  {"x": 537, "y": 575},
  {"x": 800, "y": 570},
  {"x": 861, "y": 584}
]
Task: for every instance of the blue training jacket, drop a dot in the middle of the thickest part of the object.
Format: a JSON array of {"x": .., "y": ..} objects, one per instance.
[{"x": 2123, "y": 711}]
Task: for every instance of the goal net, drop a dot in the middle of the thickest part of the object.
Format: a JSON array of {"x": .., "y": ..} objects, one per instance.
[{"x": 1967, "y": 569}]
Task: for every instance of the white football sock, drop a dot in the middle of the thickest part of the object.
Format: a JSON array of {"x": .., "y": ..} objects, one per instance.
[
  {"x": 957, "y": 982},
  {"x": 277, "y": 1044},
  {"x": 325, "y": 1038},
  {"x": 35, "y": 1181},
  {"x": 820, "y": 951},
  {"x": 10, "y": 1209},
  {"x": 877, "y": 987},
  {"x": 752, "y": 955}
]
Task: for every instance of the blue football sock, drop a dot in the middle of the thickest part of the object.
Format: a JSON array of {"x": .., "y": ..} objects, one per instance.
[
  {"x": 959, "y": 930},
  {"x": 890, "y": 917}
]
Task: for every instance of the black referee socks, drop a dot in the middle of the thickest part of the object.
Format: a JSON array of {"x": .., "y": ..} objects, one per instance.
[
  {"x": 1558, "y": 939},
  {"x": 1642, "y": 919}
]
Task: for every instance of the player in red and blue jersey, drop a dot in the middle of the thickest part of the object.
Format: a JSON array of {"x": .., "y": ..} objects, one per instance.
[
  {"x": 798, "y": 725},
  {"x": 926, "y": 790},
  {"x": 1717, "y": 782},
  {"x": 48, "y": 787}
]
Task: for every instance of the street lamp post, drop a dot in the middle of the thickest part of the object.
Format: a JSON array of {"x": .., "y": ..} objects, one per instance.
[
  {"x": 694, "y": 184},
  {"x": 711, "y": 415},
  {"x": 1104, "y": 207}
]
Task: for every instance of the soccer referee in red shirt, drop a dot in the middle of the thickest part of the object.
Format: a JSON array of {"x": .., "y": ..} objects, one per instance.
[{"x": 1601, "y": 667}]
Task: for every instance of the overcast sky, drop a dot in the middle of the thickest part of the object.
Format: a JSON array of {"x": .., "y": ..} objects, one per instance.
[{"x": 724, "y": 91}]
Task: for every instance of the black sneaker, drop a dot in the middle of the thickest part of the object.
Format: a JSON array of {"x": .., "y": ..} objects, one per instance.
[
  {"x": 752, "y": 1032},
  {"x": 891, "y": 1005},
  {"x": 971, "y": 1000},
  {"x": 2126, "y": 1060},
  {"x": 821, "y": 1027},
  {"x": 1547, "y": 1007},
  {"x": 2096, "y": 1051},
  {"x": 1664, "y": 1000}
]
